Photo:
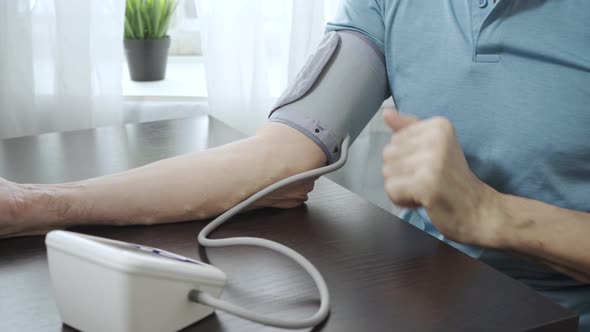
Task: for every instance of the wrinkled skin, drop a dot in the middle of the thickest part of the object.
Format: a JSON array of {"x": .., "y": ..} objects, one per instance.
[{"x": 11, "y": 204}]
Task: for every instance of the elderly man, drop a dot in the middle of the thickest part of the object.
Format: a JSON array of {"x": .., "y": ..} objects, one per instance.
[{"x": 492, "y": 156}]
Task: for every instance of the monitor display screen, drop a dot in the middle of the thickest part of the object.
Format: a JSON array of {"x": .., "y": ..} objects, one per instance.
[{"x": 153, "y": 252}]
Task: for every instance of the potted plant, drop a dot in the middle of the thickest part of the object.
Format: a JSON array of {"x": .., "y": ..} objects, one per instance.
[{"x": 146, "y": 40}]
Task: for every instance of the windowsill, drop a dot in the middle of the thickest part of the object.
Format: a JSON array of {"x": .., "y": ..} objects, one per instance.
[
  {"x": 185, "y": 79},
  {"x": 185, "y": 85},
  {"x": 182, "y": 94}
]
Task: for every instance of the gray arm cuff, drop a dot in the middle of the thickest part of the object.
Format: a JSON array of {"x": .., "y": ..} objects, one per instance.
[
  {"x": 310, "y": 128},
  {"x": 336, "y": 93}
]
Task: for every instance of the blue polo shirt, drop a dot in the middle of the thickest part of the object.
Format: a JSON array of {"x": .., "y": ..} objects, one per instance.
[{"x": 514, "y": 79}]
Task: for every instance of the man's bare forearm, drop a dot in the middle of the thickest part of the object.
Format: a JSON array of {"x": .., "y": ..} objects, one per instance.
[
  {"x": 187, "y": 187},
  {"x": 549, "y": 234}
]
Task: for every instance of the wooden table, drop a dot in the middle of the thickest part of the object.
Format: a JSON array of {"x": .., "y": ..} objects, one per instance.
[{"x": 383, "y": 274}]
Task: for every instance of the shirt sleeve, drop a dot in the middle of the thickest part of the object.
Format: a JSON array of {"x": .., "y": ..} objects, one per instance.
[{"x": 363, "y": 16}]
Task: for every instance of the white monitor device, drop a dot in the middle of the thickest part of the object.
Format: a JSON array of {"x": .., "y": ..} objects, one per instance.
[{"x": 107, "y": 285}]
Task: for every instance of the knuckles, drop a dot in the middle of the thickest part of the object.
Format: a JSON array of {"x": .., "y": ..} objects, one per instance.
[
  {"x": 434, "y": 144},
  {"x": 430, "y": 166},
  {"x": 385, "y": 170},
  {"x": 390, "y": 189},
  {"x": 442, "y": 127},
  {"x": 388, "y": 152}
]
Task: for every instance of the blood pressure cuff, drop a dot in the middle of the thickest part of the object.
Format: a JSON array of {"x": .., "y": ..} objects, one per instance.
[{"x": 336, "y": 92}]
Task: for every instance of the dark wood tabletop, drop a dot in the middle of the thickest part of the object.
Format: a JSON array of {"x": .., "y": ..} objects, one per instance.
[{"x": 383, "y": 274}]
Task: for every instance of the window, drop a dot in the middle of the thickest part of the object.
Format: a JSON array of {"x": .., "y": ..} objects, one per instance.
[{"x": 185, "y": 30}]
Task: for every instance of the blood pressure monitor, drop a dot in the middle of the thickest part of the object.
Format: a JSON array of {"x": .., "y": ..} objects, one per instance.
[{"x": 107, "y": 285}]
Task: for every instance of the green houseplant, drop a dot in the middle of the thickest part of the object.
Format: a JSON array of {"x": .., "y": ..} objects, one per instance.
[{"x": 146, "y": 40}]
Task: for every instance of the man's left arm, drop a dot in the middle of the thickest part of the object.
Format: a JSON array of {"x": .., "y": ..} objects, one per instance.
[{"x": 424, "y": 166}]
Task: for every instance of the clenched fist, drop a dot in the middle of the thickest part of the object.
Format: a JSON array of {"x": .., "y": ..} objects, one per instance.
[{"x": 424, "y": 166}]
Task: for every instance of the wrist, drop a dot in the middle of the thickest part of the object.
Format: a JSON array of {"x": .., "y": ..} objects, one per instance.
[
  {"x": 490, "y": 218},
  {"x": 496, "y": 215},
  {"x": 45, "y": 207}
]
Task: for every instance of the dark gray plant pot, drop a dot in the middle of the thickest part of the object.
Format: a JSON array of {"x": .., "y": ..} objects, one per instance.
[{"x": 147, "y": 58}]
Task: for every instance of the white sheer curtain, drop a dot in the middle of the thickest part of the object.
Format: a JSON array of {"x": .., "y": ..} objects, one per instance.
[
  {"x": 60, "y": 65},
  {"x": 252, "y": 48},
  {"x": 184, "y": 29}
]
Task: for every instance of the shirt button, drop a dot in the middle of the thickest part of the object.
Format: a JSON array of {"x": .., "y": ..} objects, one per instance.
[{"x": 482, "y": 3}]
